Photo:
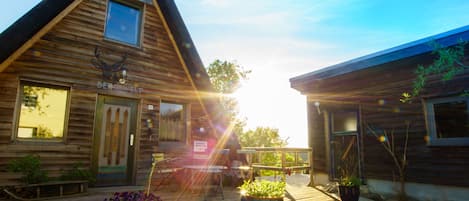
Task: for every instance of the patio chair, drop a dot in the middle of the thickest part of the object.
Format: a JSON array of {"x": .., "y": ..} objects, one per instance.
[{"x": 165, "y": 172}]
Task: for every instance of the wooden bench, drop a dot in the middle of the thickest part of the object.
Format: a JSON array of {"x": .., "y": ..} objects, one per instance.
[{"x": 48, "y": 190}]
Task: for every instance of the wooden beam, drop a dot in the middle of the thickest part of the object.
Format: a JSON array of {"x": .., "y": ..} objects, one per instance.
[
  {"x": 38, "y": 35},
  {"x": 184, "y": 65}
]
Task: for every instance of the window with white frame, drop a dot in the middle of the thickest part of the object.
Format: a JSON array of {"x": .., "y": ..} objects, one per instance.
[
  {"x": 448, "y": 121},
  {"x": 123, "y": 23}
]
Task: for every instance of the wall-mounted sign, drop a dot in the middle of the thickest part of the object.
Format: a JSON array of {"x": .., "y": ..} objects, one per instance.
[
  {"x": 119, "y": 87},
  {"x": 200, "y": 146}
]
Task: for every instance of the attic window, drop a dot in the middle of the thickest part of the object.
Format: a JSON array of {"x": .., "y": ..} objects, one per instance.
[{"x": 123, "y": 23}]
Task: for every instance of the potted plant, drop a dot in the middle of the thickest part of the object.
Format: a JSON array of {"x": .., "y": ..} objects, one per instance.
[
  {"x": 349, "y": 183},
  {"x": 262, "y": 190},
  {"x": 349, "y": 188}
]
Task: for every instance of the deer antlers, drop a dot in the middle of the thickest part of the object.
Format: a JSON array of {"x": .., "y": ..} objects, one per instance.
[
  {"x": 102, "y": 65},
  {"x": 109, "y": 70}
]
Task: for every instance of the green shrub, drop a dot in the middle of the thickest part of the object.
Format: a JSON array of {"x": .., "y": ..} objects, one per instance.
[
  {"x": 350, "y": 181},
  {"x": 78, "y": 172},
  {"x": 30, "y": 167},
  {"x": 263, "y": 189}
]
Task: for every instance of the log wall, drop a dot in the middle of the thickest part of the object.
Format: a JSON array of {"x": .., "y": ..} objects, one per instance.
[{"x": 63, "y": 56}]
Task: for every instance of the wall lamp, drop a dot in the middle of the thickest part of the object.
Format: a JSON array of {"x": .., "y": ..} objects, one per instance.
[{"x": 316, "y": 103}]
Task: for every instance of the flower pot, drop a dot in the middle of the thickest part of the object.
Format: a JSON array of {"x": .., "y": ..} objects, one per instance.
[
  {"x": 250, "y": 198},
  {"x": 349, "y": 193}
]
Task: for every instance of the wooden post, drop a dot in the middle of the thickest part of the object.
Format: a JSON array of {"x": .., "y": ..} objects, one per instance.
[
  {"x": 284, "y": 176},
  {"x": 311, "y": 167}
]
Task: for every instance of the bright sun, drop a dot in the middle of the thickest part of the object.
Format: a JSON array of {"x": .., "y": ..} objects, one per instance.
[{"x": 264, "y": 101}]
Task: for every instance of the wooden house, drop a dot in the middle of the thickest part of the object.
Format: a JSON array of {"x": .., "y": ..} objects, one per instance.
[
  {"x": 104, "y": 83},
  {"x": 349, "y": 101}
]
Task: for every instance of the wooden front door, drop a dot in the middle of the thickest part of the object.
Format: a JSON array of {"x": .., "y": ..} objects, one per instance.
[{"x": 114, "y": 141}]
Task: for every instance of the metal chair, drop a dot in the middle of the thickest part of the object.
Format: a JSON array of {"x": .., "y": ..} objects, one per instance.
[{"x": 164, "y": 171}]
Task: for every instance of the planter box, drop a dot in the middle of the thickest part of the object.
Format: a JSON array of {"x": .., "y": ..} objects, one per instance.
[
  {"x": 349, "y": 193},
  {"x": 48, "y": 190}
]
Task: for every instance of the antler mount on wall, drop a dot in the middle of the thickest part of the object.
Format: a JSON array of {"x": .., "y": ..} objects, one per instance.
[{"x": 115, "y": 72}]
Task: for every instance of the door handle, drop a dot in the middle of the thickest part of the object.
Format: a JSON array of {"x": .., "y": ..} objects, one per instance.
[{"x": 132, "y": 137}]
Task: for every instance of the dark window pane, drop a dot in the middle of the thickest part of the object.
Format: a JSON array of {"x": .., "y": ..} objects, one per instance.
[
  {"x": 123, "y": 23},
  {"x": 344, "y": 122},
  {"x": 451, "y": 119}
]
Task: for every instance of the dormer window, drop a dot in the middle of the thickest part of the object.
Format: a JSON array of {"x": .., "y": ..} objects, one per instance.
[{"x": 123, "y": 23}]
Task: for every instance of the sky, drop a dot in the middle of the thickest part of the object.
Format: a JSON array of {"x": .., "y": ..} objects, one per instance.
[{"x": 281, "y": 39}]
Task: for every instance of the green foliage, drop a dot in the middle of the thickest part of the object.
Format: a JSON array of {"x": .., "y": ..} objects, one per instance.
[
  {"x": 348, "y": 170},
  {"x": 30, "y": 167},
  {"x": 263, "y": 189},
  {"x": 448, "y": 64},
  {"x": 350, "y": 181},
  {"x": 44, "y": 132},
  {"x": 226, "y": 76},
  {"x": 262, "y": 137},
  {"x": 78, "y": 172},
  {"x": 34, "y": 91}
]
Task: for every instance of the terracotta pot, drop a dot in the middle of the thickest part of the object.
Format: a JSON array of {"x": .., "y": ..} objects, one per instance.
[
  {"x": 349, "y": 193},
  {"x": 250, "y": 198}
]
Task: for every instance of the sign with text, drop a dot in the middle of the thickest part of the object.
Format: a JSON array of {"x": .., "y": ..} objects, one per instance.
[{"x": 200, "y": 146}]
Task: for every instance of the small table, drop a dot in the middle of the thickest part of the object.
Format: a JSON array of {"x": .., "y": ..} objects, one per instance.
[{"x": 216, "y": 170}]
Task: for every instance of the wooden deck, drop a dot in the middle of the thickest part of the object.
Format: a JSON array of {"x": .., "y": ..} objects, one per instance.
[
  {"x": 230, "y": 194},
  {"x": 296, "y": 191}
]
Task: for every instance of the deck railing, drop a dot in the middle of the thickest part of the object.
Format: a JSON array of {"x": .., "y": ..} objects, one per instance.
[{"x": 302, "y": 159}]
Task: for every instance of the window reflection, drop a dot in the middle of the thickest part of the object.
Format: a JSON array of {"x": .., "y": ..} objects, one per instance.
[
  {"x": 172, "y": 122},
  {"x": 42, "y": 114},
  {"x": 123, "y": 23},
  {"x": 344, "y": 122}
]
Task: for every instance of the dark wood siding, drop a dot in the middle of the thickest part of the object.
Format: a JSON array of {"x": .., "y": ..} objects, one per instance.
[
  {"x": 317, "y": 139},
  {"x": 377, "y": 91},
  {"x": 63, "y": 56}
]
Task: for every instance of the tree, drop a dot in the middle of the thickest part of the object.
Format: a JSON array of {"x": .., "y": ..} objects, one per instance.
[
  {"x": 226, "y": 78},
  {"x": 265, "y": 137},
  {"x": 262, "y": 137},
  {"x": 398, "y": 154},
  {"x": 449, "y": 63}
]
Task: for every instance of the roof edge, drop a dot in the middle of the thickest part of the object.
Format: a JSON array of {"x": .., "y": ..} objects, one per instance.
[
  {"x": 406, "y": 50},
  {"x": 28, "y": 26}
]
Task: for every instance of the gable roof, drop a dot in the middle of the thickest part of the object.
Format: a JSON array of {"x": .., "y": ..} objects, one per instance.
[
  {"x": 28, "y": 25},
  {"x": 44, "y": 12},
  {"x": 19, "y": 37},
  {"x": 407, "y": 50}
]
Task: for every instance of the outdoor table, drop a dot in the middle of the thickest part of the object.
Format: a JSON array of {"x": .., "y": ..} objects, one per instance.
[{"x": 215, "y": 170}]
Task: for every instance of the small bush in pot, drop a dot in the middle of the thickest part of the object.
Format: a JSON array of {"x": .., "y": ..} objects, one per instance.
[
  {"x": 349, "y": 188},
  {"x": 262, "y": 190}
]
